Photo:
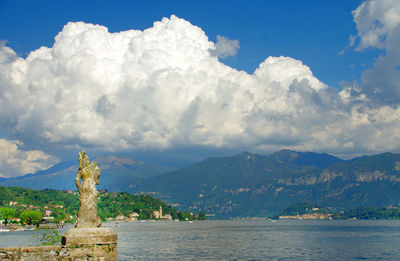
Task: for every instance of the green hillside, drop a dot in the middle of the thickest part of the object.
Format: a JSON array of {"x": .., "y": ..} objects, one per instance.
[
  {"x": 64, "y": 204},
  {"x": 213, "y": 184}
]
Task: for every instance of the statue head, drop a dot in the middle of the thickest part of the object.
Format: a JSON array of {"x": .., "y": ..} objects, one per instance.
[{"x": 83, "y": 160}]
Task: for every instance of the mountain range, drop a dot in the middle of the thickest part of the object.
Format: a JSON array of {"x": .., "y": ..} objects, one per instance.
[
  {"x": 255, "y": 185},
  {"x": 246, "y": 184}
]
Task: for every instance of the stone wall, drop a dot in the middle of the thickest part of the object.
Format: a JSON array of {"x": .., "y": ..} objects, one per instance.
[
  {"x": 32, "y": 253},
  {"x": 60, "y": 253}
]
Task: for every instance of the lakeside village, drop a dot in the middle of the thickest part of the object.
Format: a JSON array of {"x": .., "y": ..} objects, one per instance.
[
  {"x": 46, "y": 220},
  {"x": 27, "y": 209}
]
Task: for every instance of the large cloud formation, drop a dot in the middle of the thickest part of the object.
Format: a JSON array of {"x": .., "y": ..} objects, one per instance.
[{"x": 164, "y": 87}]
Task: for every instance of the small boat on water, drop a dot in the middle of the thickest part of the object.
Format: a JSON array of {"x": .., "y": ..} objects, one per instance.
[{"x": 4, "y": 230}]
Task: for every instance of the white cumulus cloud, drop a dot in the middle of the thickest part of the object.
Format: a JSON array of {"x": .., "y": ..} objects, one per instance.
[
  {"x": 376, "y": 20},
  {"x": 15, "y": 162},
  {"x": 378, "y": 25},
  {"x": 162, "y": 88}
]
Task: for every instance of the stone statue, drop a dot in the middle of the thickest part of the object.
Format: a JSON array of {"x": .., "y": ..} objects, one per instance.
[
  {"x": 86, "y": 180},
  {"x": 89, "y": 240}
]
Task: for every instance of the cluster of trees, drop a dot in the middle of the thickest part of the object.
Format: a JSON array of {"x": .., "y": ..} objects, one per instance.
[
  {"x": 30, "y": 217},
  {"x": 7, "y": 214}
]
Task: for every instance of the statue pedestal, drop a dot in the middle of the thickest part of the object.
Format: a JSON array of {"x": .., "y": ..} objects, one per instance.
[{"x": 91, "y": 243}]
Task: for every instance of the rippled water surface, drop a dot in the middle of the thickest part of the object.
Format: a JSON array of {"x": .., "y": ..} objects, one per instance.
[{"x": 250, "y": 240}]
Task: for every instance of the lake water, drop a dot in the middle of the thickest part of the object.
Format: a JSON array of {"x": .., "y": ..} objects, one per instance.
[{"x": 249, "y": 240}]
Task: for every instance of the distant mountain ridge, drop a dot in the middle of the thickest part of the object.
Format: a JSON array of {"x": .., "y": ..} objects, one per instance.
[
  {"x": 116, "y": 174},
  {"x": 321, "y": 160}
]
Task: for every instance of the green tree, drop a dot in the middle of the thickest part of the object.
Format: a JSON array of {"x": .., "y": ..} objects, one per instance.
[
  {"x": 202, "y": 215},
  {"x": 31, "y": 217},
  {"x": 49, "y": 237},
  {"x": 7, "y": 213}
]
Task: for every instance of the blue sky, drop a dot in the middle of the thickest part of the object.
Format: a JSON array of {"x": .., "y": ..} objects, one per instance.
[{"x": 173, "y": 82}]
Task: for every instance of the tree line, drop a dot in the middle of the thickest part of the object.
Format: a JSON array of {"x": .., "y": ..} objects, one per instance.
[{"x": 30, "y": 205}]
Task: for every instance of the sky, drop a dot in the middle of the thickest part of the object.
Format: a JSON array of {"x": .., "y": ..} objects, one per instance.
[{"x": 174, "y": 82}]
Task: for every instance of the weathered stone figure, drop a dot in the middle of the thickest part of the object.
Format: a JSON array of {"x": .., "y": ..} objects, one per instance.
[
  {"x": 89, "y": 241},
  {"x": 86, "y": 180}
]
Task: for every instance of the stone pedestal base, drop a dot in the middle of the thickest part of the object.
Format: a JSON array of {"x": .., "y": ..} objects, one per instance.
[{"x": 91, "y": 243}]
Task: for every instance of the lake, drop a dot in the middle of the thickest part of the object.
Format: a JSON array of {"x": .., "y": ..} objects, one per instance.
[{"x": 249, "y": 240}]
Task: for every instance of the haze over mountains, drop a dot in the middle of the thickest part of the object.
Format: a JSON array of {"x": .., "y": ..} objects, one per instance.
[
  {"x": 116, "y": 174},
  {"x": 245, "y": 184}
]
